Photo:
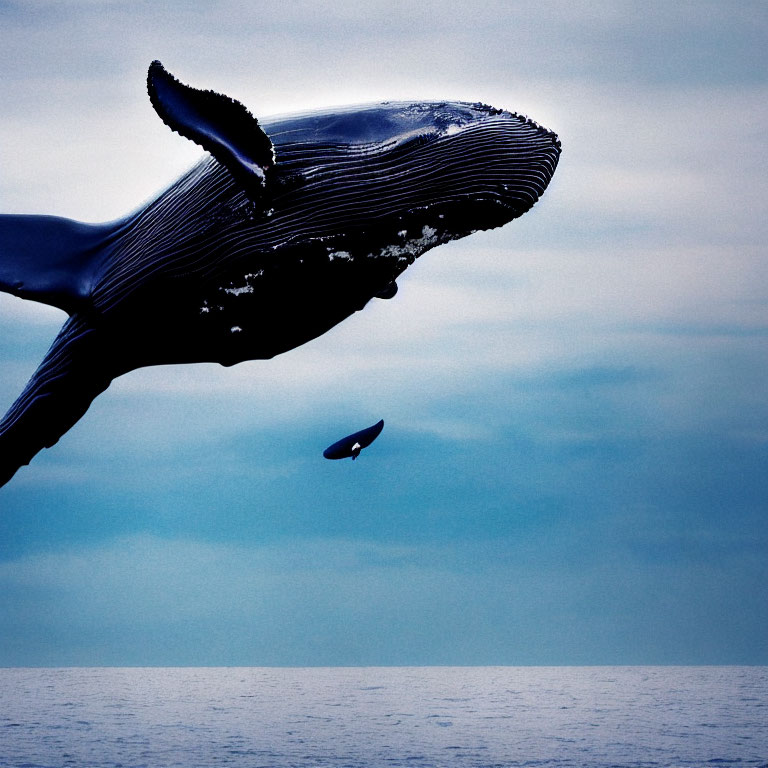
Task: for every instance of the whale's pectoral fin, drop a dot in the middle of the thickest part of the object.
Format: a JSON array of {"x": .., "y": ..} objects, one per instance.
[
  {"x": 219, "y": 124},
  {"x": 72, "y": 374},
  {"x": 51, "y": 259}
]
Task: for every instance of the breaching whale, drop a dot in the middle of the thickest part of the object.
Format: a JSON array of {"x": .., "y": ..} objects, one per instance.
[
  {"x": 282, "y": 231},
  {"x": 351, "y": 445}
]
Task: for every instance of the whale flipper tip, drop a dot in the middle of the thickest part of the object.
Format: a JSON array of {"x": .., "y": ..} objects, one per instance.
[{"x": 220, "y": 125}]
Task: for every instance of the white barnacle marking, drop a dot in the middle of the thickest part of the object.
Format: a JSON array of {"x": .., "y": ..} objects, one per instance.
[
  {"x": 410, "y": 249},
  {"x": 257, "y": 169},
  {"x": 235, "y": 329},
  {"x": 238, "y": 291},
  {"x": 247, "y": 288},
  {"x": 206, "y": 308},
  {"x": 343, "y": 255}
]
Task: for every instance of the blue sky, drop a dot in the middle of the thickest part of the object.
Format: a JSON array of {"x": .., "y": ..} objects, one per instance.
[{"x": 573, "y": 468}]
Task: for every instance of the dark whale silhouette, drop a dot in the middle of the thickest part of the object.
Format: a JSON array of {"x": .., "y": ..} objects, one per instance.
[
  {"x": 351, "y": 445},
  {"x": 284, "y": 230}
]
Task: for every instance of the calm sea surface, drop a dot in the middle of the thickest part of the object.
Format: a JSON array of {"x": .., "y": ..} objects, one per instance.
[{"x": 383, "y": 716}]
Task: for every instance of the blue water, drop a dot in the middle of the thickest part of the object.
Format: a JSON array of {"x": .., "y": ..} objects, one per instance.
[{"x": 436, "y": 717}]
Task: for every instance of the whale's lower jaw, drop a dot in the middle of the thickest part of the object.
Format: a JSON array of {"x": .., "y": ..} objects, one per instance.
[{"x": 265, "y": 305}]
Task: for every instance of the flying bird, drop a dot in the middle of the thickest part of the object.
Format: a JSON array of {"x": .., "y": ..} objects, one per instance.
[
  {"x": 351, "y": 445},
  {"x": 284, "y": 229}
]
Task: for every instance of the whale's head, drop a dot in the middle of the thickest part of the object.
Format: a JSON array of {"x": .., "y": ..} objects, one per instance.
[
  {"x": 373, "y": 186},
  {"x": 408, "y": 175}
]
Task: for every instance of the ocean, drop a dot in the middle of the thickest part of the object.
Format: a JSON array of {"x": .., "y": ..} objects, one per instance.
[{"x": 377, "y": 717}]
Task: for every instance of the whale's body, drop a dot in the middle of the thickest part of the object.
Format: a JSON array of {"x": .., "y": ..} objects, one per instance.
[{"x": 270, "y": 241}]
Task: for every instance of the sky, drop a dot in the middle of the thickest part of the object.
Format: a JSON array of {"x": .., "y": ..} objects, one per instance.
[{"x": 573, "y": 464}]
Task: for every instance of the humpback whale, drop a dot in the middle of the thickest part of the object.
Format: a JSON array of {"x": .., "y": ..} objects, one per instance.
[
  {"x": 285, "y": 228},
  {"x": 351, "y": 445}
]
